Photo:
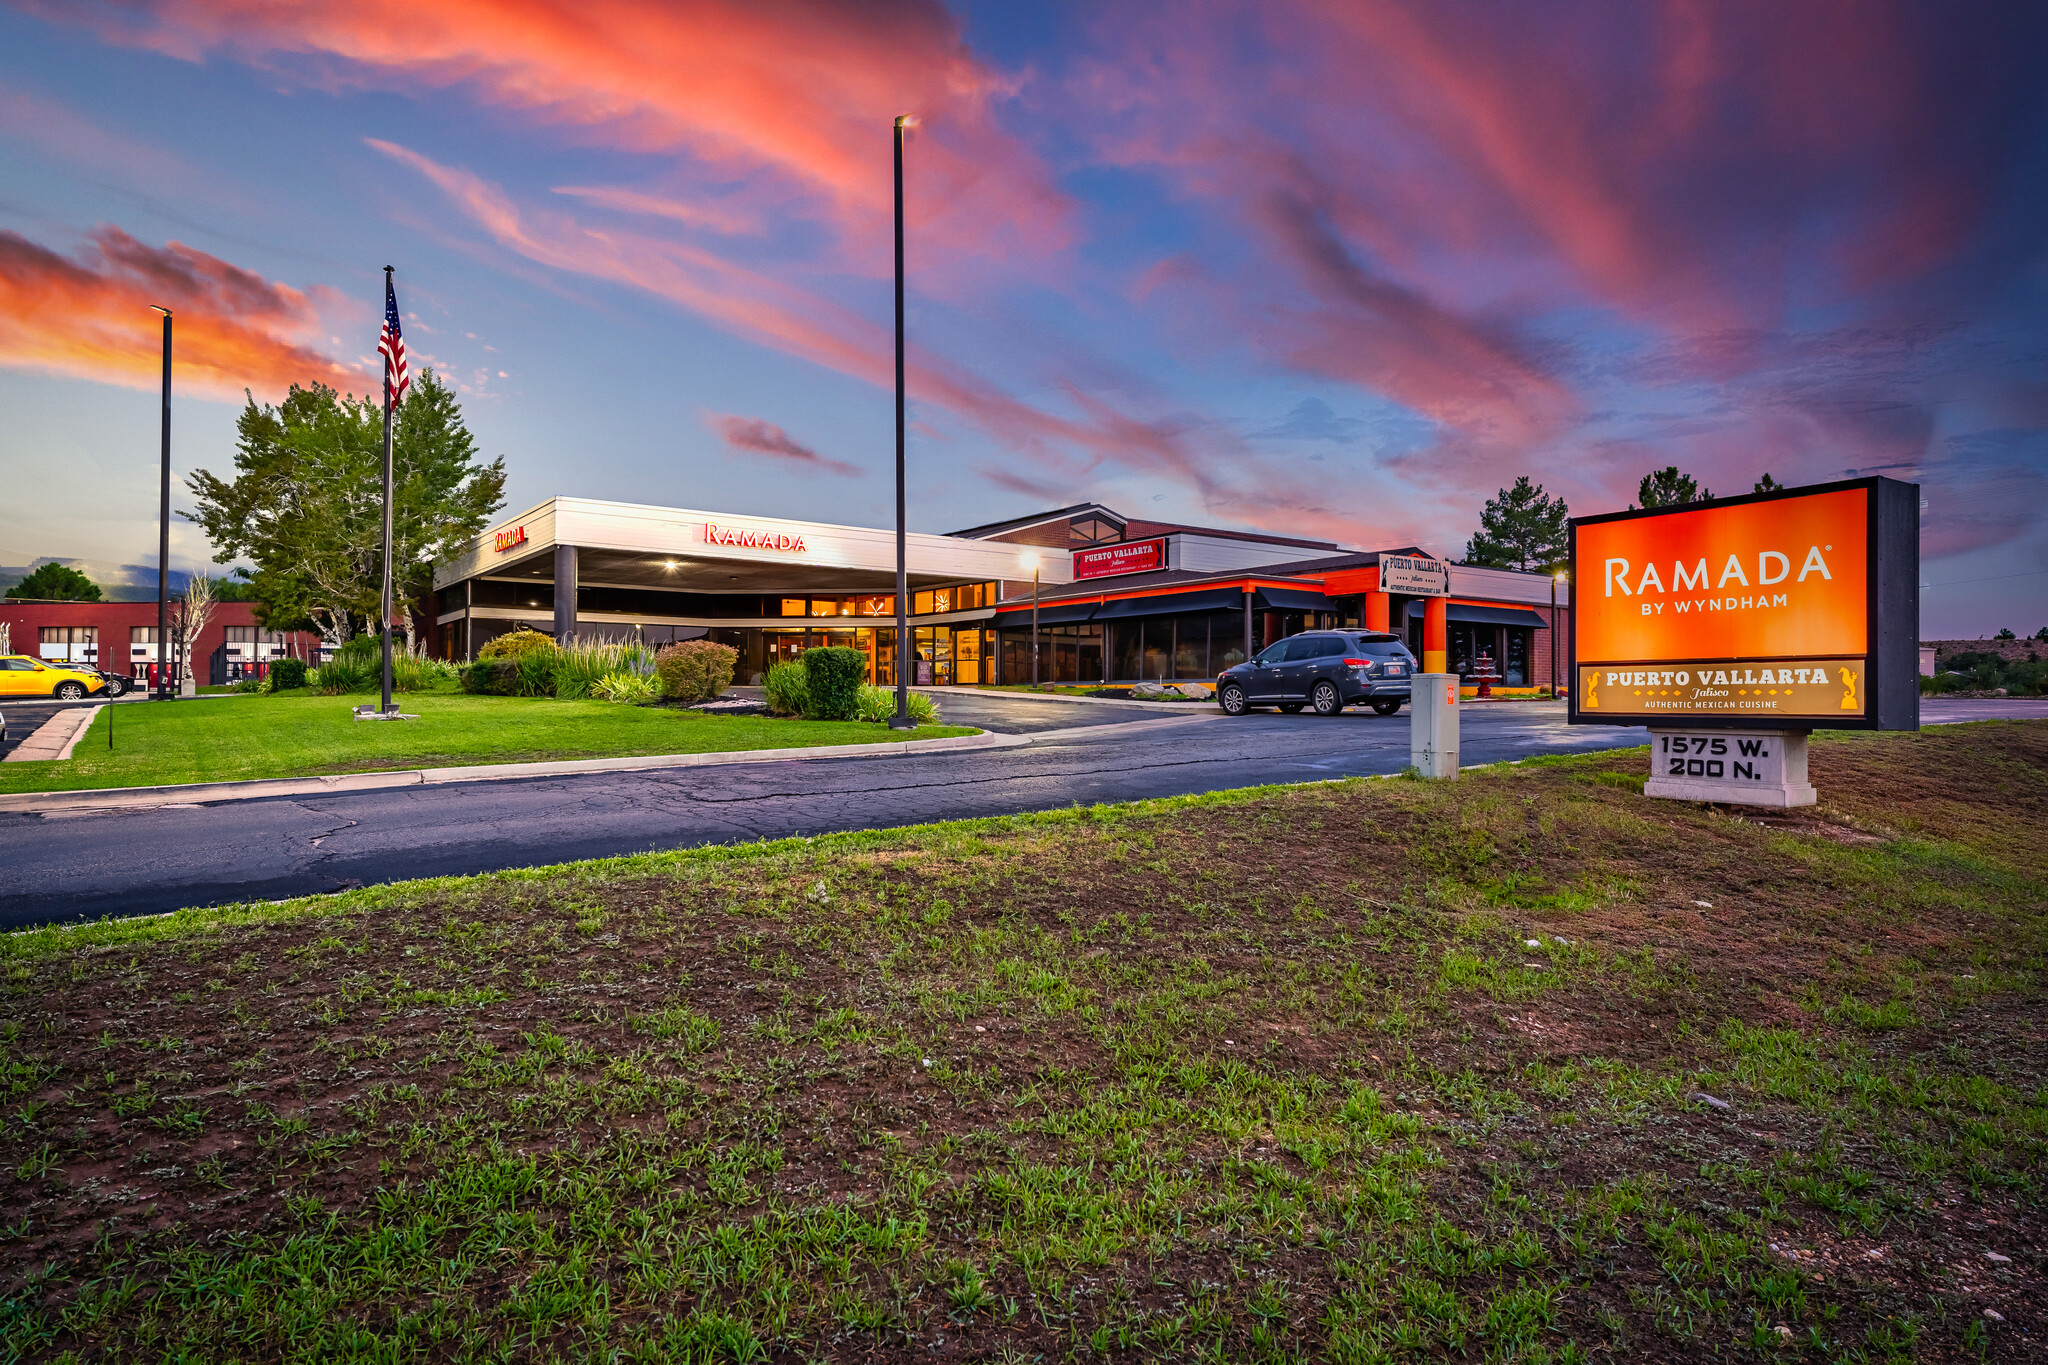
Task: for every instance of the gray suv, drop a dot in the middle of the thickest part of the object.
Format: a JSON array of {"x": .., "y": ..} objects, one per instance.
[{"x": 1326, "y": 669}]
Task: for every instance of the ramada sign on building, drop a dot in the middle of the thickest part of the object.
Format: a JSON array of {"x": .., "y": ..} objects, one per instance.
[{"x": 1736, "y": 627}]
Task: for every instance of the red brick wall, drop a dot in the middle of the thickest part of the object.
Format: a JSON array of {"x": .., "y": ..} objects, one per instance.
[{"x": 114, "y": 619}]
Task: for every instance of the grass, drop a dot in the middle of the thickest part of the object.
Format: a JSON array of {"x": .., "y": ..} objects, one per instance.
[
  {"x": 297, "y": 735},
  {"x": 1359, "y": 1071}
]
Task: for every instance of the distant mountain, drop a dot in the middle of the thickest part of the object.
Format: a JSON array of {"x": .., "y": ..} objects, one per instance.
[{"x": 118, "y": 582}]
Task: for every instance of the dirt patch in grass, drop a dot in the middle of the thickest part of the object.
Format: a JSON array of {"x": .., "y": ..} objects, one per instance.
[{"x": 1354, "y": 1071}]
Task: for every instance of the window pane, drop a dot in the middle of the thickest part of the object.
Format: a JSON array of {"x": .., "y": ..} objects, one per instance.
[
  {"x": 1191, "y": 647},
  {"x": 792, "y": 606},
  {"x": 921, "y": 603}
]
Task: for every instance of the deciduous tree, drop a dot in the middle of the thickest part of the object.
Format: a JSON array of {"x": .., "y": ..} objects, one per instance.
[
  {"x": 1521, "y": 528},
  {"x": 305, "y": 505}
]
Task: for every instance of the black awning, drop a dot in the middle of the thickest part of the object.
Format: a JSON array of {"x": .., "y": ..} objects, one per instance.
[
  {"x": 1173, "y": 604},
  {"x": 1049, "y": 614},
  {"x": 1483, "y": 616},
  {"x": 1292, "y": 599}
]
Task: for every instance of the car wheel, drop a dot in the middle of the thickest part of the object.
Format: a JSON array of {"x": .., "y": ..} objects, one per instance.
[
  {"x": 1328, "y": 702},
  {"x": 1231, "y": 699},
  {"x": 117, "y": 686},
  {"x": 1292, "y": 708},
  {"x": 1387, "y": 708},
  {"x": 70, "y": 691}
]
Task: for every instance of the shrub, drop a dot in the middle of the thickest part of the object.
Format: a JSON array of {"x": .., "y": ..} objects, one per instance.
[
  {"x": 877, "y": 704},
  {"x": 627, "y": 689},
  {"x": 788, "y": 689},
  {"x": 833, "y": 678},
  {"x": 579, "y": 668},
  {"x": 517, "y": 644},
  {"x": 534, "y": 673},
  {"x": 287, "y": 674},
  {"x": 491, "y": 677},
  {"x": 695, "y": 670},
  {"x": 413, "y": 671},
  {"x": 350, "y": 670}
]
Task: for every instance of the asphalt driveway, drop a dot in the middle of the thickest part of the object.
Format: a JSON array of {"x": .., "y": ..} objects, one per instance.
[{"x": 67, "y": 865}]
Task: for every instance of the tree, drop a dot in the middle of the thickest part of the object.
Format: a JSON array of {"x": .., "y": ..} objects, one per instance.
[
  {"x": 2005, "y": 634},
  {"x": 53, "y": 582},
  {"x": 194, "y": 610},
  {"x": 1669, "y": 488},
  {"x": 1520, "y": 529},
  {"x": 1767, "y": 484},
  {"x": 306, "y": 503}
]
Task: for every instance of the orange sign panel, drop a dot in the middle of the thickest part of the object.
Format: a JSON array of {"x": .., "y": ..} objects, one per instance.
[{"x": 1755, "y": 580}]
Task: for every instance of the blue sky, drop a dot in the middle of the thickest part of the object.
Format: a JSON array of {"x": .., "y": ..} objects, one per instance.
[{"x": 1337, "y": 270}]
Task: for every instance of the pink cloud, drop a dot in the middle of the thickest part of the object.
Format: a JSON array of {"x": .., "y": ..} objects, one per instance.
[{"x": 765, "y": 438}]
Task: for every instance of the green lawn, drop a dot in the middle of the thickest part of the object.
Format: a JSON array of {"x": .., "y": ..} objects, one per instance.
[
  {"x": 1359, "y": 1071},
  {"x": 305, "y": 735}
]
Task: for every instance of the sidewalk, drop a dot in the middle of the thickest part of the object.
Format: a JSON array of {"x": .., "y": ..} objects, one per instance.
[{"x": 55, "y": 738}]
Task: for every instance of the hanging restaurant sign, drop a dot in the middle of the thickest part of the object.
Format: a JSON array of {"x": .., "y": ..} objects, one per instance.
[
  {"x": 1416, "y": 575},
  {"x": 1799, "y": 607},
  {"x": 1134, "y": 556}
]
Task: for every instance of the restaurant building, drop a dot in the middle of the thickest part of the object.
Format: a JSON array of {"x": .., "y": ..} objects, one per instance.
[{"x": 1120, "y": 600}]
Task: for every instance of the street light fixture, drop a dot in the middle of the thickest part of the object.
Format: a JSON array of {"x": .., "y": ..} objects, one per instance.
[
  {"x": 1555, "y": 579},
  {"x": 1031, "y": 562},
  {"x": 901, "y": 720},
  {"x": 162, "y": 691}
]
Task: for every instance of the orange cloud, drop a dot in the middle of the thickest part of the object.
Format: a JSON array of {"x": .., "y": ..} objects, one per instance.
[
  {"x": 800, "y": 91},
  {"x": 765, "y": 438},
  {"x": 90, "y": 317}
]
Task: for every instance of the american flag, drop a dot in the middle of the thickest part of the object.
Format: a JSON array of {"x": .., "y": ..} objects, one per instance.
[{"x": 391, "y": 345}]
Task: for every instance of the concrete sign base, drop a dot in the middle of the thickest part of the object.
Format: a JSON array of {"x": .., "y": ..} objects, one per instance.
[
  {"x": 1744, "y": 767},
  {"x": 1433, "y": 724}
]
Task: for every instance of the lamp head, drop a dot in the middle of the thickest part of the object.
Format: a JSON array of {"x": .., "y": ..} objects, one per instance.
[
  {"x": 1029, "y": 560},
  {"x": 161, "y": 309},
  {"x": 906, "y": 121}
]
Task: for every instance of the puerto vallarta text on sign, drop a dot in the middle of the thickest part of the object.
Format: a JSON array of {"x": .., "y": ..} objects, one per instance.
[
  {"x": 1416, "y": 575},
  {"x": 714, "y": 534},
  {"x": 1824, "y": 690},
  {"x": 1134, "y": 556}
]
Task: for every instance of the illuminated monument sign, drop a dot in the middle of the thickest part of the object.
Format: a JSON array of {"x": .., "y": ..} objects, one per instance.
[{"x": 1772, "y": 614}]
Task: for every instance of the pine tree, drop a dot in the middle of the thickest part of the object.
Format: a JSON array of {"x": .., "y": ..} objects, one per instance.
[
  {"x": 1767, "y": 484},
  {"x": 1522, "y": 529},
  {"x": 1669, "y": 488},
  {"x": 54, "y": 582}
]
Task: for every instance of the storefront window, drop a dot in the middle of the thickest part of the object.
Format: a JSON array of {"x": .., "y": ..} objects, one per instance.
[
  {"x": 792, "y": 606},
  {"x": 1514, "y": 669},
  {"x": 967, "y": 652},
  {"x": 877, "y": 606},
  {"x": 1191, "y": 647}
]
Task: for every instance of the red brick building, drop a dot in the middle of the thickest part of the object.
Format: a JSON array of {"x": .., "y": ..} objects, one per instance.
[{"x": 120, "y": 637}]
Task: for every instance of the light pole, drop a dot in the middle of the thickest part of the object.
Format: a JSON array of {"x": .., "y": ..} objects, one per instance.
[
  {"x": 162, "y": 690},
  {"x": 1555, "y": 579},
  {"x": 1031, "y": 563},
  {"x": 901, "y": 720}
]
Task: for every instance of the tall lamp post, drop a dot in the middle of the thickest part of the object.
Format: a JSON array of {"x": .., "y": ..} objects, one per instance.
[
  {"x": 901, "y": 720},
  {"x": 1031, "y": 562},
  {"x": 1555, "y": 579},
  {"x": 162, "y": 690}
]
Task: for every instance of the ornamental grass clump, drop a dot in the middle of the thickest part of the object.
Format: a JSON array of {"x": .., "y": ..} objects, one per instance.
[
  {"x": 695, "y": 670},
  {"x": 877, "y": 704},
  {"x": 788, "y": 688},
  {"x": 834, "y": 677},
  {"x": 627, "y": 689},
  {"x": 578, "y": 669}
]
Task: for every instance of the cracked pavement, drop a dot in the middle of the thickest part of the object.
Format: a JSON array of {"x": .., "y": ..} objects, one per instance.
[{"x": 88, "y": 864}]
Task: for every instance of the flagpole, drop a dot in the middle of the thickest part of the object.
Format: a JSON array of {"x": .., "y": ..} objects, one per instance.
[{"x": 386, "y": 598}]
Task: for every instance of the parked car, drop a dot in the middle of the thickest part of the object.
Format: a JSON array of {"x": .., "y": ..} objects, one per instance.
[
  {"x": 118, "y": 684},
  {"x": 1326, "y": 669},
  {"x": 22, "y": 676}
]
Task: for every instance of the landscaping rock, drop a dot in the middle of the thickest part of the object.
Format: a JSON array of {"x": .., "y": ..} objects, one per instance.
[
  {"x": 1152, "y": 691},
  {"x": 1196, "y": 691}
]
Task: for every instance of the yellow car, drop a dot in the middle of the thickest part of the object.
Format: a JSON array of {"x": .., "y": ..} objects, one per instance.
[{"x": 21, "y": 676}]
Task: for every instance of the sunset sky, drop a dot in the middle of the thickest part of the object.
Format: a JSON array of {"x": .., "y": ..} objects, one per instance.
[{"x": 1331, "y": 269}]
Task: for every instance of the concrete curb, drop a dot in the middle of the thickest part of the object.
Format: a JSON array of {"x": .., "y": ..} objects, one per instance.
[
  {"x": 207, "y": 793},
  {"x": 994, "y": 693}
]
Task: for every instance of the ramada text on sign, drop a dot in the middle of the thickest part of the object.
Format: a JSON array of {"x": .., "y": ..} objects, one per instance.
[
  {"x": 1135, "y": 556},
  {"x": 505, "y": 540},
  {"x": 714, "y": 534}
]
